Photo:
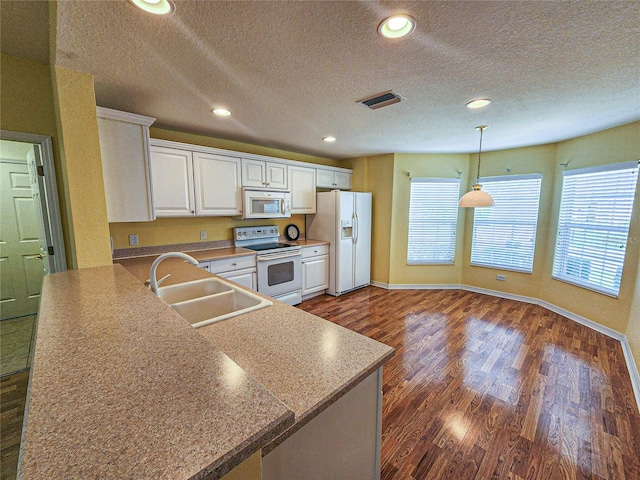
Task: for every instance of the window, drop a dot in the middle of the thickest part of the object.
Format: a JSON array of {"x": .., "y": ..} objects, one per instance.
[
  {"x": 504, "y": 236},
  {"x": 433, "y": 219},
  {"x": 593, "y": 225}
]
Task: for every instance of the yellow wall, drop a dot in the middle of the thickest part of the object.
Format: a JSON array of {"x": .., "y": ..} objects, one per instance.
[
  {"x": 26, "y": 105},
  {"x": 250, "y": 469},
  {"x": 74, "y": 100},
  {"x": 386, "y": 176},
  {"x": 633, "y": 327},
  {"x": 378, "y": 178},
  {"x": 423, "y": 165},
  {"x": 539, "y": 159},
  {"x": 169, "y": 231},
  {"x": 610, "y": 146}
]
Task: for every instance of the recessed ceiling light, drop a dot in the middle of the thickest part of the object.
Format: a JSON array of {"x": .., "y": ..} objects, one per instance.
[
  {"x": 397, "y": 26},
  {"x": 329, "y": 139},
  {"x": 478, "y": 103},
  {"x": 221, "y": 112},
  {"x": 157, "y": 7}
]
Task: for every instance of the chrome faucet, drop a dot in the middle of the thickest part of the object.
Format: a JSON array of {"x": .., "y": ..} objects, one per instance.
[{"x": 154, "y": 283}]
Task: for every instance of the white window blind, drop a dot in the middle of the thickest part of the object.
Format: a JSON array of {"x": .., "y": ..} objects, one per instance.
[
  {"x": 593, "y": 226},
  {"x": 504, "y": 236},
  {"x": 433, "y": 219}
]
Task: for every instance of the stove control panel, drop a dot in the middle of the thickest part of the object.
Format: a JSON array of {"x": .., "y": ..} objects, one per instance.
[{"x": 256, "y": 233}]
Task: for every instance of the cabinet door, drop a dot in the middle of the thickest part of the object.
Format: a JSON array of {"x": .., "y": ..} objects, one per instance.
[
  {"x": 315, "y": 274},
  {"x": 217, "y": 185},
  {"x": 302, "y": 183},
  {"x": 324, "y": 178},
  {"x": 276, "y": 175},
  {"x": 342, "y": 180},
  {"x": 253, "y": 174},
  {"x": 124, "y": 148},
  {"x": 246, "y": 278},
  {"x": 172, "y": 181}
]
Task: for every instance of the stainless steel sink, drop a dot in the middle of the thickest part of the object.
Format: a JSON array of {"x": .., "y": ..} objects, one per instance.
[{"x": 210, "y": 300}]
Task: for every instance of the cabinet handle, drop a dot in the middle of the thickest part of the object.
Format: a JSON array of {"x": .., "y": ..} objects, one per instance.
[
  {"x": 193, "y": 212},
  {"x": 234, "y": 264}
]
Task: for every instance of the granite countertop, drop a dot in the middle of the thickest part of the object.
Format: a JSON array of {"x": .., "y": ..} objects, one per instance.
[{"x": 123, "y": 387}]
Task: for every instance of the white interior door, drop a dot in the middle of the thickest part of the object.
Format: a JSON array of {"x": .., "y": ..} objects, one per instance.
[
  {"x": 40, "y": 207},
  {"x": 21, "y": 259}
]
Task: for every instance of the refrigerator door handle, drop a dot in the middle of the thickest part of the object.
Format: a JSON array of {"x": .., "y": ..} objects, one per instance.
[{"x": 356, "y": 227}]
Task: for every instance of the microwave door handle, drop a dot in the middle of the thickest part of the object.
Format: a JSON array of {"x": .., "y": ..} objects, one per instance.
[{"x": 282, "y": 207}]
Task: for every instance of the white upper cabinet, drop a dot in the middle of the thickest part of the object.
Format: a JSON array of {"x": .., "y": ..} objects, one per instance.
[
  {"x": 302, "y": 183},
  {"x": 172, "y": 179},
  {"x": 333, "y": 179},
  {"x": 124, "y": 148},
  {"x": 261, "y": 174},
  {"x": 217, "y": 185}
]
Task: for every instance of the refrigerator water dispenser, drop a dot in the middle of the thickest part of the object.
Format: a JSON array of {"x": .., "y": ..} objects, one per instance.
[{"x": 346, "y": 229}]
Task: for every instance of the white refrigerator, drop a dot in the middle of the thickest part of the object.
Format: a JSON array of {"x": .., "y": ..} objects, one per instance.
[{"x": 344, "y": 220}]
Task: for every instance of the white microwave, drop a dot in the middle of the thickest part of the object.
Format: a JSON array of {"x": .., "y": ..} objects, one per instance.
[{"x": 257, "y": 203}]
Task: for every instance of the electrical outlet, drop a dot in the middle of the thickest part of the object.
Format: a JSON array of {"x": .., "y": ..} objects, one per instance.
[
  {"x": 502, "y": 278},
  {"x": 203, "y": 234},
  {"x": 133, "y": 239}
]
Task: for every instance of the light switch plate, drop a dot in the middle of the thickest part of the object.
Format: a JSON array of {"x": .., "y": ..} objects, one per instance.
[
  {"x": 133, "y": 239},
  {"x": 203, "y": 234}
]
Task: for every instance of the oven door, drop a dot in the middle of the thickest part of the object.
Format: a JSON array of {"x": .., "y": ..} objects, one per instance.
[{"x": 280, "y": 273}]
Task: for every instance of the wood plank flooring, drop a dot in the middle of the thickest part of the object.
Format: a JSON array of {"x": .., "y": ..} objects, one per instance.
[
  {"x": 13, "y": 396},
  {"x": 488, "y": 388}
]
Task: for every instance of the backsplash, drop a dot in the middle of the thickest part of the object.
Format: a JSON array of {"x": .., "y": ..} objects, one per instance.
[{"x": 173, "y": 231}]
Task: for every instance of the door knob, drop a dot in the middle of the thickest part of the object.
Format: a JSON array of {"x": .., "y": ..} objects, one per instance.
[{"x": 40, "y": 256}]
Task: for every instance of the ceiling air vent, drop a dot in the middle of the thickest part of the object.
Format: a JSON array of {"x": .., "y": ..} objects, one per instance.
[{"x": 382, "y": 100}]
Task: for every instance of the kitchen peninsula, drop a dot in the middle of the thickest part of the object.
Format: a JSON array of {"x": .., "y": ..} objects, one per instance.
[{"x": 123, "y": 387}]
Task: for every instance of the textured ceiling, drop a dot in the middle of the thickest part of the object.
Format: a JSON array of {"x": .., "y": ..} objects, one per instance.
[{"x": 291, "y": 71}]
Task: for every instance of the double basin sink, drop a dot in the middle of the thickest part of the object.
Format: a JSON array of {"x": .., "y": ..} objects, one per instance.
[{"x": 210, "y": 300}]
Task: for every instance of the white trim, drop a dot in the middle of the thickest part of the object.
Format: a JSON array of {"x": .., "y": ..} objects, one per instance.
[
  {"x": 127, "y": 117},
  {"x": 156, "y": 142},
  {"x": 52, "y": 198},
  {"x": 634, "y": 375}
]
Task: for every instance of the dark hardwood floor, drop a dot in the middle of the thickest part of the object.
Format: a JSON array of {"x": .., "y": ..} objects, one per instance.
[
  {"x": 13, "y": 396},
  {"x": 488, "y": 388}
]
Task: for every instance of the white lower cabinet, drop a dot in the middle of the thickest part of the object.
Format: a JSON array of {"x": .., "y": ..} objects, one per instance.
[
  {"x": 241, "y": 270},
  {"x": 341, "y": 443},
  {"x": 315, "y": 270}
]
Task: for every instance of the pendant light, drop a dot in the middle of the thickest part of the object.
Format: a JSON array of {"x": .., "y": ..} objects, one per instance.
[{"x": 476, "y": 197}]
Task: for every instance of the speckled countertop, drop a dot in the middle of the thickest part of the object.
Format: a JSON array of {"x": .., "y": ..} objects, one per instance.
[{"x": 123, "y": 387}]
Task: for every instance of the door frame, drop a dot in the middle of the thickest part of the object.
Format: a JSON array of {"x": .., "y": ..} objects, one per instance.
[{"x": 52, "y": 207}]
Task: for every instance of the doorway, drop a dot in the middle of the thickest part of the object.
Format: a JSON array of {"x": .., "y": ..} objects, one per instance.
[{"x": 31, "y": 243}]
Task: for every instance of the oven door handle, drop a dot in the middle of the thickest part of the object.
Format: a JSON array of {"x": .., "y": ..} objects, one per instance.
[{"x": 278, "y": 256}]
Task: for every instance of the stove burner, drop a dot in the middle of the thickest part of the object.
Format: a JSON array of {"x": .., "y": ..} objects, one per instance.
[{"x": 268, "y": 246}]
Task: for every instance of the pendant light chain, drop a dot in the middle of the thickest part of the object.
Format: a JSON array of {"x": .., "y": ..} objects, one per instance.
[{"x": 481, "y": 128}]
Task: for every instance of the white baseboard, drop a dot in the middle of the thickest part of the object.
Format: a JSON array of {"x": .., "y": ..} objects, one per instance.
[{"x": 621, "y": 337}]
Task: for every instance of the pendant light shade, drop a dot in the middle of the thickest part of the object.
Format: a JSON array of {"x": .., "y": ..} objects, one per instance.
[{"x": 476, "y": 197}]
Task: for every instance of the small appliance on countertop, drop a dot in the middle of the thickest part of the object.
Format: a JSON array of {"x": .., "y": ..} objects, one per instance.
[{"x": 279, "y": 264}]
